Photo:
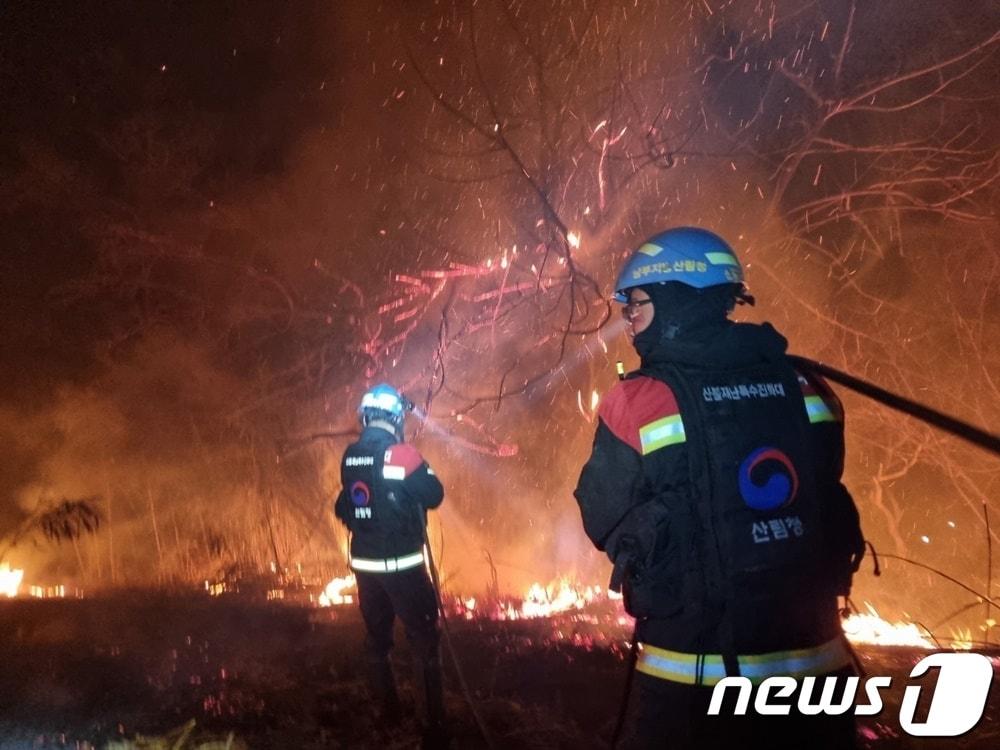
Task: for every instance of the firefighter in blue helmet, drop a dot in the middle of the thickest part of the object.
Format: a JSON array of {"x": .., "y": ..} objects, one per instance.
[
  {"x": 387, "y": 488},
  {"x": 714, "y": 486}
]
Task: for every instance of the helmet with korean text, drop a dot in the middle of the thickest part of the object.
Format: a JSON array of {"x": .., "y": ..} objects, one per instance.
[{"x": 690, "y": 256}]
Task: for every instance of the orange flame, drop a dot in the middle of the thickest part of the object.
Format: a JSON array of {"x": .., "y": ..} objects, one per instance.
[
  {"x": 870, "y": 628},
  {"x": 333, "y": 594},
  {"x": 48, "y": 592},
  {"x": 10, "y": 580},
  {"x": 559, "y": 596},
  {"x": 564, "y": 596}
]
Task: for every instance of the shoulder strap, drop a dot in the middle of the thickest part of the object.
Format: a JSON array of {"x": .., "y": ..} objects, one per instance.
[{"x": 715, "y": 578}]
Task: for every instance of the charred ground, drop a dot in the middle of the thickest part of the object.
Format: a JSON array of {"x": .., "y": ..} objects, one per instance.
[{"x": 200, "y": 670}]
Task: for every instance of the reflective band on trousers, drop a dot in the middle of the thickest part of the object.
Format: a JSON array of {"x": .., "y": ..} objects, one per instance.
[
  {"x": 677, "y": 666},
  {"x": 388, "y": 566}
]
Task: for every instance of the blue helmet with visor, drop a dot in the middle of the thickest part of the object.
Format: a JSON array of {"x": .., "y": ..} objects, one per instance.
[
  {"x": 688, "y": 255},
  {"x": 383, "y": 403}
]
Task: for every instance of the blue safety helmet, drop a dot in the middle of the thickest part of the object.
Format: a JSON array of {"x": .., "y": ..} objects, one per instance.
[
  {"x": 383, "y": 403},
  {"x": 689, "y": 255}
]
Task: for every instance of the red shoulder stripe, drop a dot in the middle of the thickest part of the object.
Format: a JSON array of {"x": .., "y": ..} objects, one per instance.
[
  {"x": 636, "y": 402},
  {"x": 404, "y": 456}
]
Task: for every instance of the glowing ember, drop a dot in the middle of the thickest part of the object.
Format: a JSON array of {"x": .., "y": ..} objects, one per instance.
[
  {"x": 216, "y": 589},
  {"x": 870, "y": 628},
  {"x": 591, "y": 412},
  {"x": 603, "y": 610},
  {"x": 961, "y": 640},
  {"x": 334, "y": 595},
  {"x": 10, "y": 580},
  {"x": 592, "y": 615}
]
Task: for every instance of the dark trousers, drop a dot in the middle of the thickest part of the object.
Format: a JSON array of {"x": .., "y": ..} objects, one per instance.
[
  {"x": 409, "y": 595},
  {"x": 671, "y": 715}
]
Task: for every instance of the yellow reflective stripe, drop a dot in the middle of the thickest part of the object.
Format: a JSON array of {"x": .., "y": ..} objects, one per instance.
[
  {"x": 721, "y": 259},
  {"x": 656, "y": 667},
  {"x": 650, "y": 249},
  {"x": 677, "y": 666},
  {"x": 818, "y": 411},
  {"x": 390, "y": 565},
  {"x": 662, "y": 432},
  {"x": 816, "y": 661}
]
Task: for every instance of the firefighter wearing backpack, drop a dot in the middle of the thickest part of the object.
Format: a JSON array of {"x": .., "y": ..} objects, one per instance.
[
  {"x": 387, "y": 488},
  {"x": 714, "y": 486}
]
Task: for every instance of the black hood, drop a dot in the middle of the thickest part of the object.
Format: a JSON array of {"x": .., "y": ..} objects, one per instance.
[
  {"x": 378, "y": 436},
  {"x": 725, "y": 344},
  {"x": 683, "y": 313},
  {"x": 692, "y": 326}
]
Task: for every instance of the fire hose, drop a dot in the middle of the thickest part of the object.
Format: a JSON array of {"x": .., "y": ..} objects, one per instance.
[
  {"x": 926, "y": 414},
  {"x": 446, "y": 633}
]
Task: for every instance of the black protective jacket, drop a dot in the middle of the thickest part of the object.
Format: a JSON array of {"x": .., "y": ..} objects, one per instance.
[
  {"x": 715, "y": 488},
  {"x": 387, "y": 488}
]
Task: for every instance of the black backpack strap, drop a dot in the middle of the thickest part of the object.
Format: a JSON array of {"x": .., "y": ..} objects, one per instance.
[{"x": 714, "y": 577}]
